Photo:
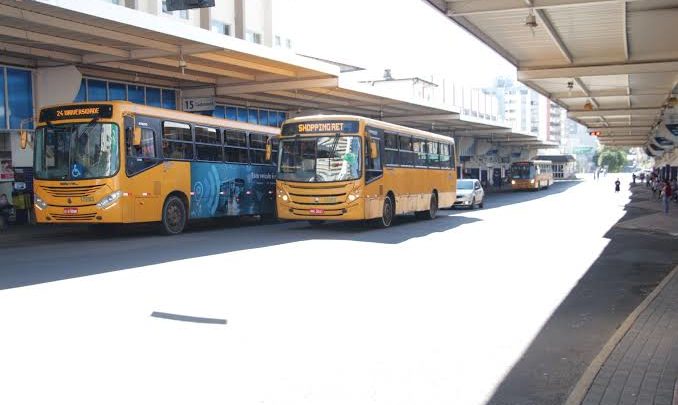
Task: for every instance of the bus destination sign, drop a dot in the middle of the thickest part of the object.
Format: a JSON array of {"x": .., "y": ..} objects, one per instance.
[
  {"x": 318, "y": 127},
  {"x": 76, "y": 112}
]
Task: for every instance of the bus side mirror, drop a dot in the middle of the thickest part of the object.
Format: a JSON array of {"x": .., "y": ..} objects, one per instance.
[
  {"x": 23, "y": 138},
  {"x": 374, "y": 150},
  {"x": 269, "y": 151}
]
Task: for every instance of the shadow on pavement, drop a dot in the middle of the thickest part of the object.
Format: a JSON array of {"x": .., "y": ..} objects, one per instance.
[
  {"x": 81, "y": 253},
  {"x": 504, "y": 198},
  {"x": 628, "y": 269}
]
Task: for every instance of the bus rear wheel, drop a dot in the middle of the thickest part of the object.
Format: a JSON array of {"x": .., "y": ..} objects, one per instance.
[
  {"x": 387, "y": 214},
  {"x": 432, "y": 209},
  {"x": 173, "y": 216}
]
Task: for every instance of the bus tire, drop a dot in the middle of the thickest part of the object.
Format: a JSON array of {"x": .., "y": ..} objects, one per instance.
[
  {"x": 173, "y": 216},
  {"x": 432, "y": 209},
  {"x": 387, "y": 214}
]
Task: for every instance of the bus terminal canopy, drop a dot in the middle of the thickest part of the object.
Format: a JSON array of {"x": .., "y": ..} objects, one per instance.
[
  {"x": 613, "y": 64},
  {"x": 105, "y": 40}
]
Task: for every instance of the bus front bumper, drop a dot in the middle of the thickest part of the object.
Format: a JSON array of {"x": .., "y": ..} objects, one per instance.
[
  {"x": 354, "y": 211},
  {"x": 90, "y": 214}
]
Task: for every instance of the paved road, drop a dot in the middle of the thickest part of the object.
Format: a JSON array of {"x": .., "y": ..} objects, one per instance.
[{"x": 434, "y": 312}]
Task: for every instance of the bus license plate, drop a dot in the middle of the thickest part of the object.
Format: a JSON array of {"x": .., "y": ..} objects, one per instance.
[
  {"x": 316, "y": 211},
  {"x": 70, "y": 211}
]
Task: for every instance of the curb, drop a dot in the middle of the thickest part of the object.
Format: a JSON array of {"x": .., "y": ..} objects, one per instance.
[{"x": 582, "y": 387}]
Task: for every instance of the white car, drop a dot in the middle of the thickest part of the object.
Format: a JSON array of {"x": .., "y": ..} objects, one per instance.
[{"x": 469, "y": 194}]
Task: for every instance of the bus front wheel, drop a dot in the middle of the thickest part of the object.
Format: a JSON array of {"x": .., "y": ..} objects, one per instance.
[
  {"x": 387, "y": 214},
  {"x": 173, "y": 216}
]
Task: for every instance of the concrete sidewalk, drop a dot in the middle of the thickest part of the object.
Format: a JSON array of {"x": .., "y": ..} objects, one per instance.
[{"x": 639, "y": 364}]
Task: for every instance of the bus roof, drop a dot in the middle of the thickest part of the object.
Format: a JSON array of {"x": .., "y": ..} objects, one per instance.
[
  {"x": 372, "y": 122},
  {"x": 156, "y": 112}
]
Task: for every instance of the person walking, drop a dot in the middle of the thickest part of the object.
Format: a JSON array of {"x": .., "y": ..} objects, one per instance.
[
  {"x": 634, "y": 178},
  {"x": 617, "y": 183},
  {"x": 666, "y": 196}
]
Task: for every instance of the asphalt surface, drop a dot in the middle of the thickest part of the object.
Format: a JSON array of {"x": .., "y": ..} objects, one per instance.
[{"x": 472, "y": 306}]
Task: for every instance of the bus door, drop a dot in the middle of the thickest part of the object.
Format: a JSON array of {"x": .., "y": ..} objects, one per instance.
[
  {"x": 145, "y": 182},
  {"x": 374, "y": 186}
]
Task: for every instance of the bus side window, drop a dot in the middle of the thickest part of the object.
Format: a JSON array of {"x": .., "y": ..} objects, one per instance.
[
  {"x": 390, "y": 149},
  {"x": 453, "y": 156},
  {"x": 140, "y": 158},
  {"x": 373, "y": 168}
]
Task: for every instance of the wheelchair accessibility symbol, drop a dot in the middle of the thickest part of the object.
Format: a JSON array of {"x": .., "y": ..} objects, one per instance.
[{"x": 76, "y": 171}]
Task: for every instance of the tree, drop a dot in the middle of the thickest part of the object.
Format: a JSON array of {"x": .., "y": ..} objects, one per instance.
[{"x": 614, "y": 159}]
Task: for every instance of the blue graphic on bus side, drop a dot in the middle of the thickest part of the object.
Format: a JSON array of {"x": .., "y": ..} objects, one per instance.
[{"x": 222, "y": 189}]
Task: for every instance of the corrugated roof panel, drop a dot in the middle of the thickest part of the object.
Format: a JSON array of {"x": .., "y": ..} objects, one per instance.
[
  {"x": 653, "y": 33},
  {"x": 509, "y": 29},
  {"x": 589, "y": 31}
]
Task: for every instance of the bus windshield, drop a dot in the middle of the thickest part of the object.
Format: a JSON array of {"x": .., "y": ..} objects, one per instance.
[
  {"x": 76, "y": 151},
  {"x": 320, "y": 159},
  {"x": 522, "y": 172}
]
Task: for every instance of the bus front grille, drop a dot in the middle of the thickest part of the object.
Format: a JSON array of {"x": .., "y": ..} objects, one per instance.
[
  {"x": 79, "y": 191},
  {"x": 73, "y": 217},
  {"x": 318, "y": 195}
]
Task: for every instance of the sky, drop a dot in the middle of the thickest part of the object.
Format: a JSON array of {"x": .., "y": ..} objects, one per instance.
[{"x": 408, "y": 36}]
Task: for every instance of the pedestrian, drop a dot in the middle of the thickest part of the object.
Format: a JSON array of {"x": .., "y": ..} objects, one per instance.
[
  {"x": 616, "y": 186},
  {"x": 5, "y": 209},
  {"x": 634, "y": 178},
  {"x": 667, "y": 193}
]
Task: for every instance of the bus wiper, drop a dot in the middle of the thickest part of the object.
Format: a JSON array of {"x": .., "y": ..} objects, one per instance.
[{"x": 332, "y": 152}]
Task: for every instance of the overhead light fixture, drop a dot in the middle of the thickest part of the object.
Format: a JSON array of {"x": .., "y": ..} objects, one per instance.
[
  {"x": 671, "y": 102},
  {"x": 588, "y": 106},
  {"x": 570, "y": 86},
  {"x": 182, "y": 63},
  {"x": 531, "y": 21}
]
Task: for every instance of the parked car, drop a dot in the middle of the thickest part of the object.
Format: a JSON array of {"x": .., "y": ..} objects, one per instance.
[{"x": 469, "y": 194}]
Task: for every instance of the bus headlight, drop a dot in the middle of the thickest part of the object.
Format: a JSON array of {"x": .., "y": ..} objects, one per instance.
[
  {"x": 531, "y": 181},
  {"x": 109, "y": 199},
  {"x": 513, "y": 182},
  {"x": 40, "y": 203},
  {"x": 354, "y": 195},
  {"x": 283, "y": 195}
]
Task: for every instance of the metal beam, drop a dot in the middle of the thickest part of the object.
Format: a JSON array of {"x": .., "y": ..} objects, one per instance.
[
  {"x": 501, "y": 131},
  {"x": 478, "y": 33},
  {"x": 53, "y": 22},
  {"x": 229, "y": 60},
  {"x": 648, "y": 111},
  {"x": 61, "y": 42},
  {"x": 157, "y": 72},
  {"x": 607, "y": 93},
  {"x": 598, "y": 70},
  {"x": 43, "y": 53},
  {"x": 201, "y": 68},
  {"x": 423, "y": 117},
  {"x": 625, "y": 36},
  {"x": 277, "y": 86},
  {"x": 473, "y": 7},
  {"x": 586, "y": 91},
  {"x": 137, "y": 54},
  {"x": 551, "y": 30}
]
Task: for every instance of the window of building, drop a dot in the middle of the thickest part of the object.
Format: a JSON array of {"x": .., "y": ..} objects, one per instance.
[
  {"x": 3, "y": 114},
  {"x": 103, "y": 90},
  {"x": 288, "y": 43},
  {"x": 221, "y": 27},
  {"x": 19, "y": 98},
  {"x": 278, "y": 41},
  {"x": 254, "y": 37}
]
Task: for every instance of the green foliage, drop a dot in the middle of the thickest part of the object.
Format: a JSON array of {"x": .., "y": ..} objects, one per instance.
[{"x": 614, "y": 159}]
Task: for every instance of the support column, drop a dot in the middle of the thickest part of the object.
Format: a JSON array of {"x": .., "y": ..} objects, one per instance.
[
  {"x": 268, "y": 23},
  {"x": 206, "y": 18},
  {"x": 239, "y": 13},
  {"x": 133, "y": 4}
]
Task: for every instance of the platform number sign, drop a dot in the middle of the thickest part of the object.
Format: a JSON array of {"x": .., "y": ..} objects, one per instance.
[{"x": 198, "y": 104}]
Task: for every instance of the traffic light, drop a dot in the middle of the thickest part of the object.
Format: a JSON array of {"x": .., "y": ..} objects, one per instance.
[
  {"x": 594, "y": 133},
  {"x": 173, "y": 5}
]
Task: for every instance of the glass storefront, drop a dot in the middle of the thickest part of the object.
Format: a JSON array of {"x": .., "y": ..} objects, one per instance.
[{"x": 105, "y": 90}]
